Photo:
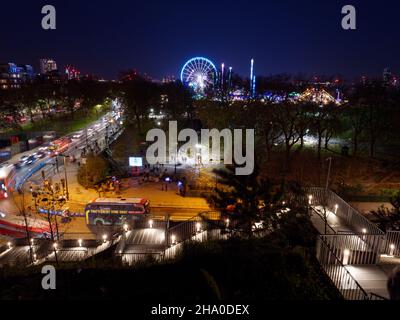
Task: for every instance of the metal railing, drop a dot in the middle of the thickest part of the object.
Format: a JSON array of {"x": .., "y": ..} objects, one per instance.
[
  {"x": 353, "y": 249},
  {"x": 192, "y": 227},
  {"x": 206, "y": 235},
  {"x": 337, "y": 272},
  {"x": 353, "y": 219},
  {"x": 328, "y": 227},
  {"x": 376, "y": 297},
  {"x": 391, "y": 244}
]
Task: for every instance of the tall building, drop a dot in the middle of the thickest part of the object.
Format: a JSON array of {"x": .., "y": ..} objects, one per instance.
[
  {"x": 72, "y": 73},
  {"x": 47, "y": 65},
  {"x": 12, "y": 76},
  {"x": 387, "y": 76},
  {"x": 168, "y": 79}
]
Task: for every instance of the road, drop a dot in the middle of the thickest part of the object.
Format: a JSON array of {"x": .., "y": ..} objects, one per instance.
[{"x": 108, "y": 125}]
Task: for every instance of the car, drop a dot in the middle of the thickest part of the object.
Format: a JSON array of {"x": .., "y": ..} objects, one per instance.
[
  {"x": 31, "y": 159},
  {"x": 40, "y": 154},
  {"x": 44, "y": 147},
  {"x": 77, "y": 136},
  {"x": 23, "y": 161}
]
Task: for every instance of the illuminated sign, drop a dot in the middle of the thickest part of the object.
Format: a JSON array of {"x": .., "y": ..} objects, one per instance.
[{"x": 135, "y": 162}]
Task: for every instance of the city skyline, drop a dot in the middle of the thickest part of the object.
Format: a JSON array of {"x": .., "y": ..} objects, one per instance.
[{"x": 226, "y": 33}]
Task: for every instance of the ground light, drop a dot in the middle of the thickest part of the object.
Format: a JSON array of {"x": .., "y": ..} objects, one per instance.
[
  {"x": 392, "y": 247},
  {"x": 126, "y": 227},
  {"x": 104, "y": 237},
  {"x": 336, "y": 208},
  {"x": 227, "y": 223},
  {"x": 9, "y": 244},
  {"x": 151, "y": 224},
  {"x": 310, "y": 197},
  {"x": 346, "y": 256},
  {"x": 173, "y": 239},
  {"x": 198, "y": 226},
  {"x": 80, "y": 242}
]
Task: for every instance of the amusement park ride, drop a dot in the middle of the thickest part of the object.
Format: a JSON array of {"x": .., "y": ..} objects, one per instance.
[
  {"x": 202, "y": 76},
  {"x": 199, "y": 73}
]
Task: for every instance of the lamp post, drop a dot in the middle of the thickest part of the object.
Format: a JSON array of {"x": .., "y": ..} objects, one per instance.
[
  {"x": 45, "y": 200},
  {"x": 65, "y": 174},
  {"x": 66, "y": 178},
  {"x": 328, "y": 175},
  {"x": 326, "y": 193}
]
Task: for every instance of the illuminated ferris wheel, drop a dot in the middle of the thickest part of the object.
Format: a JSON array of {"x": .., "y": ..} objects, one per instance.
[{"x": 199, "y": 73}]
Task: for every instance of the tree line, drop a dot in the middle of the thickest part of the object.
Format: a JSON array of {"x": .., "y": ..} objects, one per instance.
[{"x": 367, "y": 122}]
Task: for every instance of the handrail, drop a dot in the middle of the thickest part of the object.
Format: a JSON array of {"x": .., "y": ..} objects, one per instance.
[
  {"x": 317, "y": 193},
  {"x": 374, "y": 296},
  {"x": 341, "y": 265},
  {"x": 359, "y": 214},
  {"x": 333, "y": 230}
]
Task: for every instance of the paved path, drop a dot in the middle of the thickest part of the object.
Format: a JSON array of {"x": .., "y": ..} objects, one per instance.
[
  {"x": 335, "y": 223},
  {"x": 373, "y": 279}
]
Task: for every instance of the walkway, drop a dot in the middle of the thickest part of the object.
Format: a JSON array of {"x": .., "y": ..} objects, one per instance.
[
  {"x": 335, "y": 224},
  {"x": 372, "y": 278}
]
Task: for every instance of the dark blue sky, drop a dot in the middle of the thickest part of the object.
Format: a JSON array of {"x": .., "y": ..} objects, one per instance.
[{"x": 158, "y": 36}]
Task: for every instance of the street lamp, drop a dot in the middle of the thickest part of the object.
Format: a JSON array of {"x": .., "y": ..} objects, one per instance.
[
  {"x": 328, "y": 175},
  {"x": 65, "y": 175}
]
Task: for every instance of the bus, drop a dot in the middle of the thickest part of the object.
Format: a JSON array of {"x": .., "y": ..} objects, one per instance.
[
  {"x": 7, "y": 179},
  {"x": 116, "y": 211},
  {"x": 59, "y": 146}
]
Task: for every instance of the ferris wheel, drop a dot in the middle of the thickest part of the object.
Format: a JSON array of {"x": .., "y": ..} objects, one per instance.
[{"x": 199, "y": 73}]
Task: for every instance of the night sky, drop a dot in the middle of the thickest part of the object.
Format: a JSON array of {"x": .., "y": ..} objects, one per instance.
[{"x": 157, "y": 37}]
